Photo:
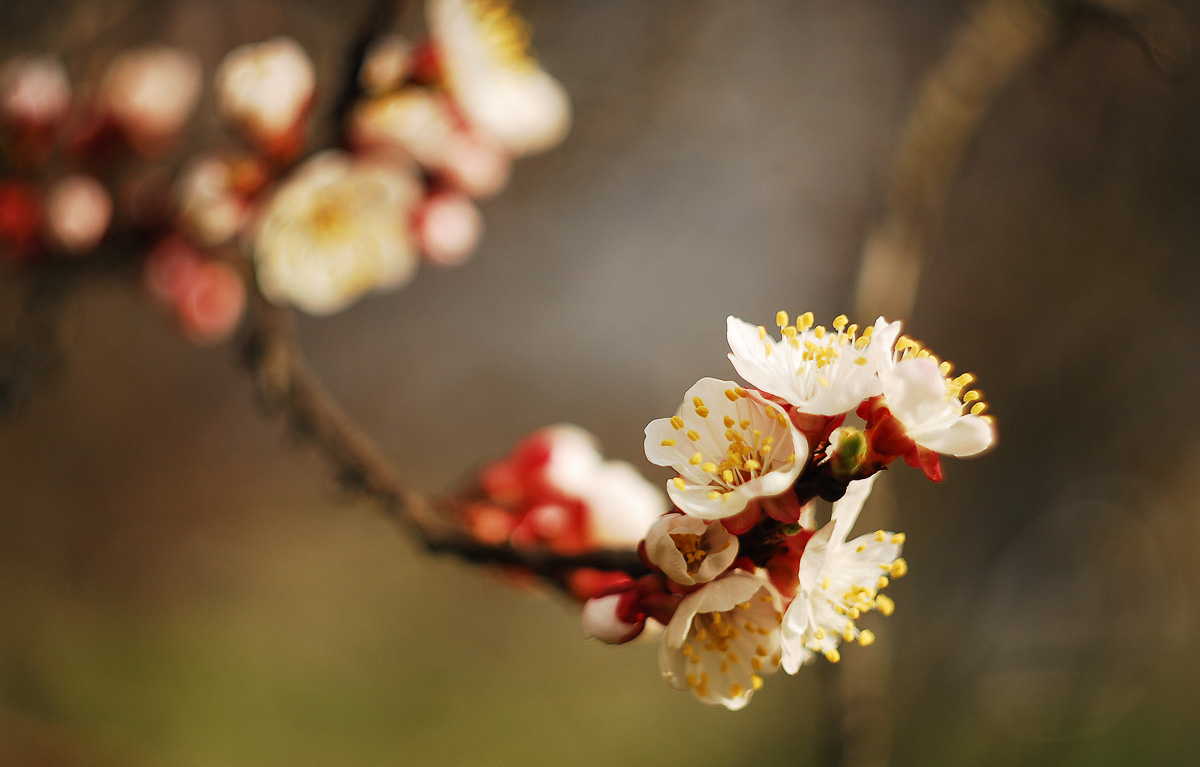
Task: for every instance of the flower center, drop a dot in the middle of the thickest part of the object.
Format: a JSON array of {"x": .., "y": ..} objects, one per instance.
[
  {"x": 505, "y": 33},
  {"x": 689, "y": 546}
]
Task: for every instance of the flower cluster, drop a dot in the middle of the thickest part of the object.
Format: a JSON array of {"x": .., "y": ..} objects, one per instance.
[
  {"x": 742, "y": 576},
  {"x": 436, "y": 126}
]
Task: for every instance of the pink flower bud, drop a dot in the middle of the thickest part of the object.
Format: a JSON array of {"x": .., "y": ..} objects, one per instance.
[
  {"x": 212, "y": 303},
  {"x": 35, "y": 97},
  {"x": 448, "y": 227},
  {"x": 600, "y": 620},
  {"x": 170, "y": 269},
  {"x": 78, "y": 212}
]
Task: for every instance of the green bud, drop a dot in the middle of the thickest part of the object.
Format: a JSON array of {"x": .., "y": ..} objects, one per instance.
[
  {"x": 792, "y": 529},
  {"x": 850, "y": 454}
]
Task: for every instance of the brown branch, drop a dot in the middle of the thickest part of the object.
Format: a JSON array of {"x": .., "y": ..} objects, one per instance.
[{"x": 285, "y": 384}]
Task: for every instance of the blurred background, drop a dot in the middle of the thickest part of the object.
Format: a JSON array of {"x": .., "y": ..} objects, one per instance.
[{"x": 182, "y": 584}]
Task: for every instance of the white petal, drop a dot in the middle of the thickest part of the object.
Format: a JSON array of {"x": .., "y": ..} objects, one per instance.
[{"x": 967, "y": 435}]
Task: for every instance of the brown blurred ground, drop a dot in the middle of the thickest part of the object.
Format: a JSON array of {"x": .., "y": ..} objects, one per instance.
[{"x": 180, "y": 585}]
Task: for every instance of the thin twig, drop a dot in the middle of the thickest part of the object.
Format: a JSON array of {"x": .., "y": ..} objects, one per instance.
[{"x": 285, "y": 384}]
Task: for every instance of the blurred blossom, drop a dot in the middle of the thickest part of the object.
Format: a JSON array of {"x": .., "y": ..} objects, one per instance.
[
  {"x": 35, "y": 98},
  {"x": 264, "y": 92},
  {"x": 150, "y": 94},
  {"x": 484, "y": 54},
  {"x": 388, "y": 63},
  {"x": 449, "y": 227},
  {"x": 336, "y": 228},
  {"x": 690, "y": 550},
  {"x": 20, "y": 220},
  {"x": 555, "y": 489},
  {"x": 209, "y": 193},
  {"x": 78, "y": 213}
]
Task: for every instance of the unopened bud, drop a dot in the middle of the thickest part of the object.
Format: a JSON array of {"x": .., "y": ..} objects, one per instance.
[{"x": 847, "y": 455}]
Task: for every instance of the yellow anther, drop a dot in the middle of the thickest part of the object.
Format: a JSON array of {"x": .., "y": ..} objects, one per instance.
[
  {"x": 677, "y": 422},
  {"x": 760, "y": 651},
  {"x": 848, "y": 633},
  {"x": 790, "y": 334},
  {"x": 688, "y": 650},
  {"x": 762, "y": 333},
  {"x": 756, "y": 681},
  {"x": 978, "y": 408},
  {"x": 679, "y": 483},
  {"x": 819, "y": 331},
  {"x": 692, "y": 681},
  {"x": 733, "y": 658},
  {"x": 825, "y": 583},
  {"x": 884, "y": 604},
  {"x": 756, "y": 664},
  {"x": 767, "y": 350},
  {"x": 963, "y": 380},
  {"x": 804, "y": 321},
  {"x": 945, "y": 368},
  {"x": 781, "y": 319},
  {"x": 880, "y": 535},
  {"x": 860, "y": 361},
  {"x": 882, "y": 582},
  {"x": 866, "y": 637},
  {"x": 741, "y": 392},
  {"x": 731, "y": 395},
  {"x": 832, "y": 655},
  {"x": 668, "y": 443},
  {"x": 971, "y": 396},
  {"x": 697, "y": 402},
  {"x": 727, "y": 475},
  {"x": 819, "y": 633},
  {"x": 696, "y": 459},
  {"x": 899, "y": 538},
  {"x": 840, "y": 322},
  {"x": 899, "y": 568},
  {"x": 702, "y": 412},
  {"x": 752, "y": 465},
  {"x": 744, "y": 424},
  {"x": 713, "y": 495},
  {"x": 736, "y": 690},
  {"x": 724, "y": 667},
  {"x": 861, "y": 548},
  {"x": 709, "y": 467},
  {"x": 693, "y": 435},
  {"x": 728, "y": 421}
]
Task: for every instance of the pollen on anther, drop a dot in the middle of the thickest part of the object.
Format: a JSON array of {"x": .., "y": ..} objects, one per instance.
[
  {"x": 781, "y": 319},
  {"x": 880, "y": 535},
  {"x": 728, "y": 421},
  {"x": 731, "y": 395},
  {"x": 866, "y": 637},
  {"x": 899, "y": 538},
  {"x": 668, "y": 443},
  {"x": 832, "y": 655},
  {"x": 679, "y": 483},
  {"x": 693, "y": 435},
  {"x": 696, "y": 459},
  {"x": 885, "y": 604},
  {"x": 756, "y": 681},
  {"x": 702, "y": 412},
  {"x": 677, "y": 422}
]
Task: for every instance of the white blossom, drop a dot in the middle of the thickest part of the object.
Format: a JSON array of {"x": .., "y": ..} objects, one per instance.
[
  {"x": 840, "y": 581},
  {"x": 264, "y": 90},
  {"x": 730, "y": 447},
  {"x": 690, "y": 550},
  {"x": 937, "y": 411},
  {"x": 722, "y": 639},
  {"x": 817, "y": 371}
]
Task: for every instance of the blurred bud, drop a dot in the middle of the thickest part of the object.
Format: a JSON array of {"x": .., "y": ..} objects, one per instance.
[
  {"x": 387, "y": 65},
  {"x": 78, "y": 213},
  {"x": 150, "y": 94},
  {"x": 170, "y": 269},
  {"x": 448, "y": 227},
  {"x": 415, "y": 121},
  {"x": 211, "y": 303},
  {"x": 20, "y": 220},
  {"x": 35, "y": 98},
  {"x": 476, "y": 164},
  {"x": 264, "y": 92},
  {"x": 847, "y": 452}
]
